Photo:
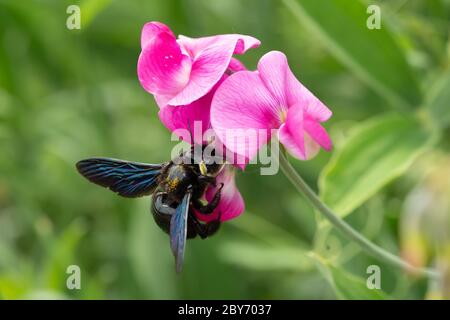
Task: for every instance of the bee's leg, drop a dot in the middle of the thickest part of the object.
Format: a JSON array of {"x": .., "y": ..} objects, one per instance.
[
  {"x": 208, "y": 208},
  {"x": 192, "y": 228},
  {"x": 162, "y": 213},
  {"x": 207, "y": 179},
  {"x": 159, "y": 206},
  {"x": 205, "y": 230},
  {"x": 212, "y": 227}
]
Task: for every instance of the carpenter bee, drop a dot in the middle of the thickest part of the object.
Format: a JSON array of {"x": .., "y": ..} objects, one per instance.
[{"x": 176, "y": 187}]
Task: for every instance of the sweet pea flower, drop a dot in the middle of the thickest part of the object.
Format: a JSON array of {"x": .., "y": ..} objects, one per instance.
[
  {"x": 231, "y": 203},
  {"x": 270, "y": 99},
  {"x": 184, "y": 71},
  {"x": 185, "y": 117}
]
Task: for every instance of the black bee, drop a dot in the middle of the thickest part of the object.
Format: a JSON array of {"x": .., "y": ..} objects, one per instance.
[{"x": 177, "y": 187}]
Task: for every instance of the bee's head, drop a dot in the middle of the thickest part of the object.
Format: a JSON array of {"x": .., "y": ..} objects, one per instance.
[
  {"x": 210, "y": 163},
  {"x": 206, "y": 162},
  {"x": 209, "y": 168}
]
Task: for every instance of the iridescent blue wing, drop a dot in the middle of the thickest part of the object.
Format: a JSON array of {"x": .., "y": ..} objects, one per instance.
[
  {"x": 128, "y": 179},
  {"x": 178, "y": 230}
]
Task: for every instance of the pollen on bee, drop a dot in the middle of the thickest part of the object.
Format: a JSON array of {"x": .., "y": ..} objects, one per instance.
[{"x": 172, "y": 183}]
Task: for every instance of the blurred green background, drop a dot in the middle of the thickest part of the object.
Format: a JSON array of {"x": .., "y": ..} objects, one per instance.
[{"x": 70, "y": 94}]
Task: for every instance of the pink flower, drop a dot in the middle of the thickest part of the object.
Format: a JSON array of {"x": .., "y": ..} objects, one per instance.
[
  {"x": 181, "y": 71},
  {"x": 270, "y": 98},
  {"x": 231, "y": 203},
  {"x": 184, "y": 117}
]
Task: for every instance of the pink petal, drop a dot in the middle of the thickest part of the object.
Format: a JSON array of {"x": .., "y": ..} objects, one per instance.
[
  {"x": 291, "y": 133},
  {"x": 152, "y": 29},
  {"x": 194, "y": 115},
  {"x": 243, "y": 103},
  {"x": 211, "y": 57},
  {"x": 189, "y": 117},
  {"x": 235, "y": 65},
  {"x": 273, "y": 68},
  {"x": 162, "y": 68},
  {"x": 312, "y": 148},
  {"x": 244, "y": 43},
  {"x": 316, "y": 108},
  {"x": 161, "y": 100},
  {"x": 301, "y": 135},
  {"x": 195, "y": 46},
  {"x": 282, "y": 83},
  {"x": 297, "y": 93},
  {"x": 317, "y": 133},
  {"x": 231, "y": 203}
]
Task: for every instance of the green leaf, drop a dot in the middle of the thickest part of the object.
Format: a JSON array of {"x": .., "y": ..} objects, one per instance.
[
  {"x": 349, "y": 286},
  {"x": 261, "y": 257},
  {"x": 373, "y": 55},
  {"x": 346, "y": 285},
  {"x": 264, "y": 230},
  {"x": 91, "y": 8},
  {"x": 439, "y": 102},
  {"x": 376, "y": 152}
]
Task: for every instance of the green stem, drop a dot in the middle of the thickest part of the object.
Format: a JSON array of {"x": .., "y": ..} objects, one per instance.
[{"x": 368, "y": 246}]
